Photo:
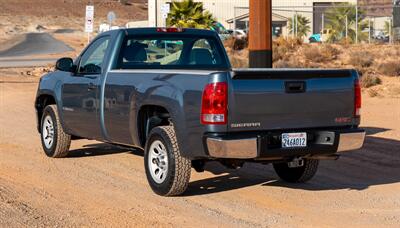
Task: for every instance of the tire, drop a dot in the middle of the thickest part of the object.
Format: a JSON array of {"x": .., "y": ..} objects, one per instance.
[
  {"x": 299, "y": 174},
  {"x": 162, "y": 154},
  {"x": 55, "y": 141}
]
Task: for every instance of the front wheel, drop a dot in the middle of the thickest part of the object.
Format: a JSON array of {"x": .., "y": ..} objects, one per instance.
[
  {"x": 167, "y": 172},
  {"x": 299, "y": 174},
  {"x": 55, "y": 141}
]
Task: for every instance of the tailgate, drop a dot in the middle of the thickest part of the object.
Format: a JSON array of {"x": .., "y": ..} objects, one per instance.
[{"x": 268, "y": 99}]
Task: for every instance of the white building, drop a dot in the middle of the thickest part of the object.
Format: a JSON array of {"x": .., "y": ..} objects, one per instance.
[{"x": 225, "y": 10}]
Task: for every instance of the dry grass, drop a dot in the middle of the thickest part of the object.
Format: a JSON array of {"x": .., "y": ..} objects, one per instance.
[
  {"x": 369, "y": 80},
  {"x": 236, "y": 44},
  {"x": 312, "y": 53},
  {"x": 322, "y": 53},
  {"x": 282, "y": 48},
  {"x": 375, "y": 63},
  {"x": 373, "y": 92},
  {"x": 361, "y": 59},
  {"x": 394, "y": 91},
  {"x": 238, "y": 59},
  {"x": 330, "y": 51},
  {"x": 389, "y": 68},
  {"x": 290, "y": 63}
]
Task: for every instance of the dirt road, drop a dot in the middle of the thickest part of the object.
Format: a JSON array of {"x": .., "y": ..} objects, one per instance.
[
  {"x": 106, "y": 186},
  {"x": 21, "y": 54}
]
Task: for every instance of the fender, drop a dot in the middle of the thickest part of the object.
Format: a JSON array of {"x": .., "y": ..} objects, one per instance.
[
  {"x": 51, "y": 86},
  {"x": 168, "y": 97}
]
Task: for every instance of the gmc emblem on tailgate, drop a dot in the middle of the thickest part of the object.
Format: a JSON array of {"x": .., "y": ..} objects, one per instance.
[
  {"x": 343, "y": 119},
  {"x": 237, "y": 125}
]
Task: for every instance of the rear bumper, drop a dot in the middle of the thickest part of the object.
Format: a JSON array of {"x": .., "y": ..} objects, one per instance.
[
  {"x": 266, "y": 145},
  {"x": 351, "y": 141}
]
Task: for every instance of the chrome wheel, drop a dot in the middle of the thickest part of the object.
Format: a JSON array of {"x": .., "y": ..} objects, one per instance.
[
  {"x": 48, "y": 132},
  {"x": 158, "y": 161}
]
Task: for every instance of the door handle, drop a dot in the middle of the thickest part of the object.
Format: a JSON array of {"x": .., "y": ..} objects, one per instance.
[
  {"x": 295, "y": 87},
  {"x": 91, "y": 86}
]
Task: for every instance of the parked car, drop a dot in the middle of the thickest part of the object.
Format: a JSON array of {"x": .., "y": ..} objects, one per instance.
[
  {"x": 238, "y": 34},
  {"x": 380, "y": 36},
  {"x": 188, "y": 106},
  {"x": 320, "y": 37}
]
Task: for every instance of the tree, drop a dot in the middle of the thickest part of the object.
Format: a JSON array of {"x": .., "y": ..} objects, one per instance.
[
  {"x": 189, "y": 14},
  {"x": 303, "y": 26},
  {"x": 388, "y": 29},
  {"x": 336, "y": 22}
]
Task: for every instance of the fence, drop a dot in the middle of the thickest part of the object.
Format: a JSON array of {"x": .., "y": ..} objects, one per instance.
[{"x": 328, "y": 22}]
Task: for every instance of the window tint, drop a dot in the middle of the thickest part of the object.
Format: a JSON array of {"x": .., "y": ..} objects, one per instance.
[
  {"x": 92, "y": 60},
  {"x": 169, "y": 52},
  {"x": 151, "y": 52}
]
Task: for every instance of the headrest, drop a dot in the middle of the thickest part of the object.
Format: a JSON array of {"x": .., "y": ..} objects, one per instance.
[
  {"x": 135, "y": 52},
  {"x": 201, "y": 56}
]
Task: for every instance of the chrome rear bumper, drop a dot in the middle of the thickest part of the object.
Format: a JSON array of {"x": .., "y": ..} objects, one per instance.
[
  {"x": 232, "y": 148},
  {"x": 351, "y": 141},
  {"x": 248, "y": 148}
]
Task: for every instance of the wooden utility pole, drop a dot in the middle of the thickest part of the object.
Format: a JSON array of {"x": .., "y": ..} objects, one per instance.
[{"x": 260, "y": 36}]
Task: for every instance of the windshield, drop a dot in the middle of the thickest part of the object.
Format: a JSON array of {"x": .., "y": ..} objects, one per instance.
[{"x": 171, "y": 52}]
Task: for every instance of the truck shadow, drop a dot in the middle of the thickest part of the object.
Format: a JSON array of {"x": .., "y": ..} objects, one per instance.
[
  {"x": 374, "y": 130},
  {"x": 102, "y": 149},
  {"x": 378, "y": 163}
]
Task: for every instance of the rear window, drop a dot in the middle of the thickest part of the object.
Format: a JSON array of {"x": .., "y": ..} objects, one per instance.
[{"x": 171, "y": 52}]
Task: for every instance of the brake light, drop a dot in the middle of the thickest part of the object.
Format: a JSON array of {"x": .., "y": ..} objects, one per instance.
[
  {"x": 357, "y": 98},
  {"x": 169, "y": 30},
  {"x": 214, "y": 106}
]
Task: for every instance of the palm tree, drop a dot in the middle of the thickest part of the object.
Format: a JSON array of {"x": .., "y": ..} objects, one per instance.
[
  {"x": 303, "y": 26},
  {"x": 189, "y": 14},
  {"x": 336, "y": 22}
]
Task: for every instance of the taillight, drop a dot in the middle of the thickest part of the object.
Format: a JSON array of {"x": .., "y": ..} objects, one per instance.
[
  {"x": 357, "y": 98},
  {"x": 214, "y": 106},
  {"x": 169, "y": 30}
]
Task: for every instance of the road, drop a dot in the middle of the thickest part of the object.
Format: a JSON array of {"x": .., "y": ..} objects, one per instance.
[
  {"x": 25, "y": 62},
  {"x": 20, "y": 55},
  {"x": 102, "y": 185}
]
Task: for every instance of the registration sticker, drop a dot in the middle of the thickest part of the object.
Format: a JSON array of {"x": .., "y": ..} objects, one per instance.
[{"x": 293, "y": 140}]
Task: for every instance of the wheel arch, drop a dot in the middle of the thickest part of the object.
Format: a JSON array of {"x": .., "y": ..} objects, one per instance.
[
  {"x": 150, "y": 116},
  {"x": 41, "y": 102}
]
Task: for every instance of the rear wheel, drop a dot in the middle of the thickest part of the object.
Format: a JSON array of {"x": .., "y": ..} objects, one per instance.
[
  {"x": 55, "y": 141},
  {"x": 299, "y": 174},
  {"x": 167, "y": 172}
]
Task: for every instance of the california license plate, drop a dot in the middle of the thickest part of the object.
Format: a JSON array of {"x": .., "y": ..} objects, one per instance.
[{"x": 293, "y": 140}]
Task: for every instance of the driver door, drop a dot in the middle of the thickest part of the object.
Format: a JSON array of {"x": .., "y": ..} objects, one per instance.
[{"x": 80, "y": 92}]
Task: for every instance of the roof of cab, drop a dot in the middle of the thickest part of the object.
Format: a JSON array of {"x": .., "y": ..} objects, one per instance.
[{"x": 153, "y": 30}]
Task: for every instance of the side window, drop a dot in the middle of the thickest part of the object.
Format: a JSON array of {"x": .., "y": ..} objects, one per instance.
[{"x": 92, "y": 60}]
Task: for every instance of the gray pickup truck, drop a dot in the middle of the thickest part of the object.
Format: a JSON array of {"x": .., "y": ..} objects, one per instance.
[{"x": 173, "y": 92}]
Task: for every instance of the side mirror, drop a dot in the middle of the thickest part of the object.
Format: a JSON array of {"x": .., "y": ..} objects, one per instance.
[{"x": 65, "y": 64}]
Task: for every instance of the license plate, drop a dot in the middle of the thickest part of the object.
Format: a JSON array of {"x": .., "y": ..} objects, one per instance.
[{"x": 293, "y": 140}]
